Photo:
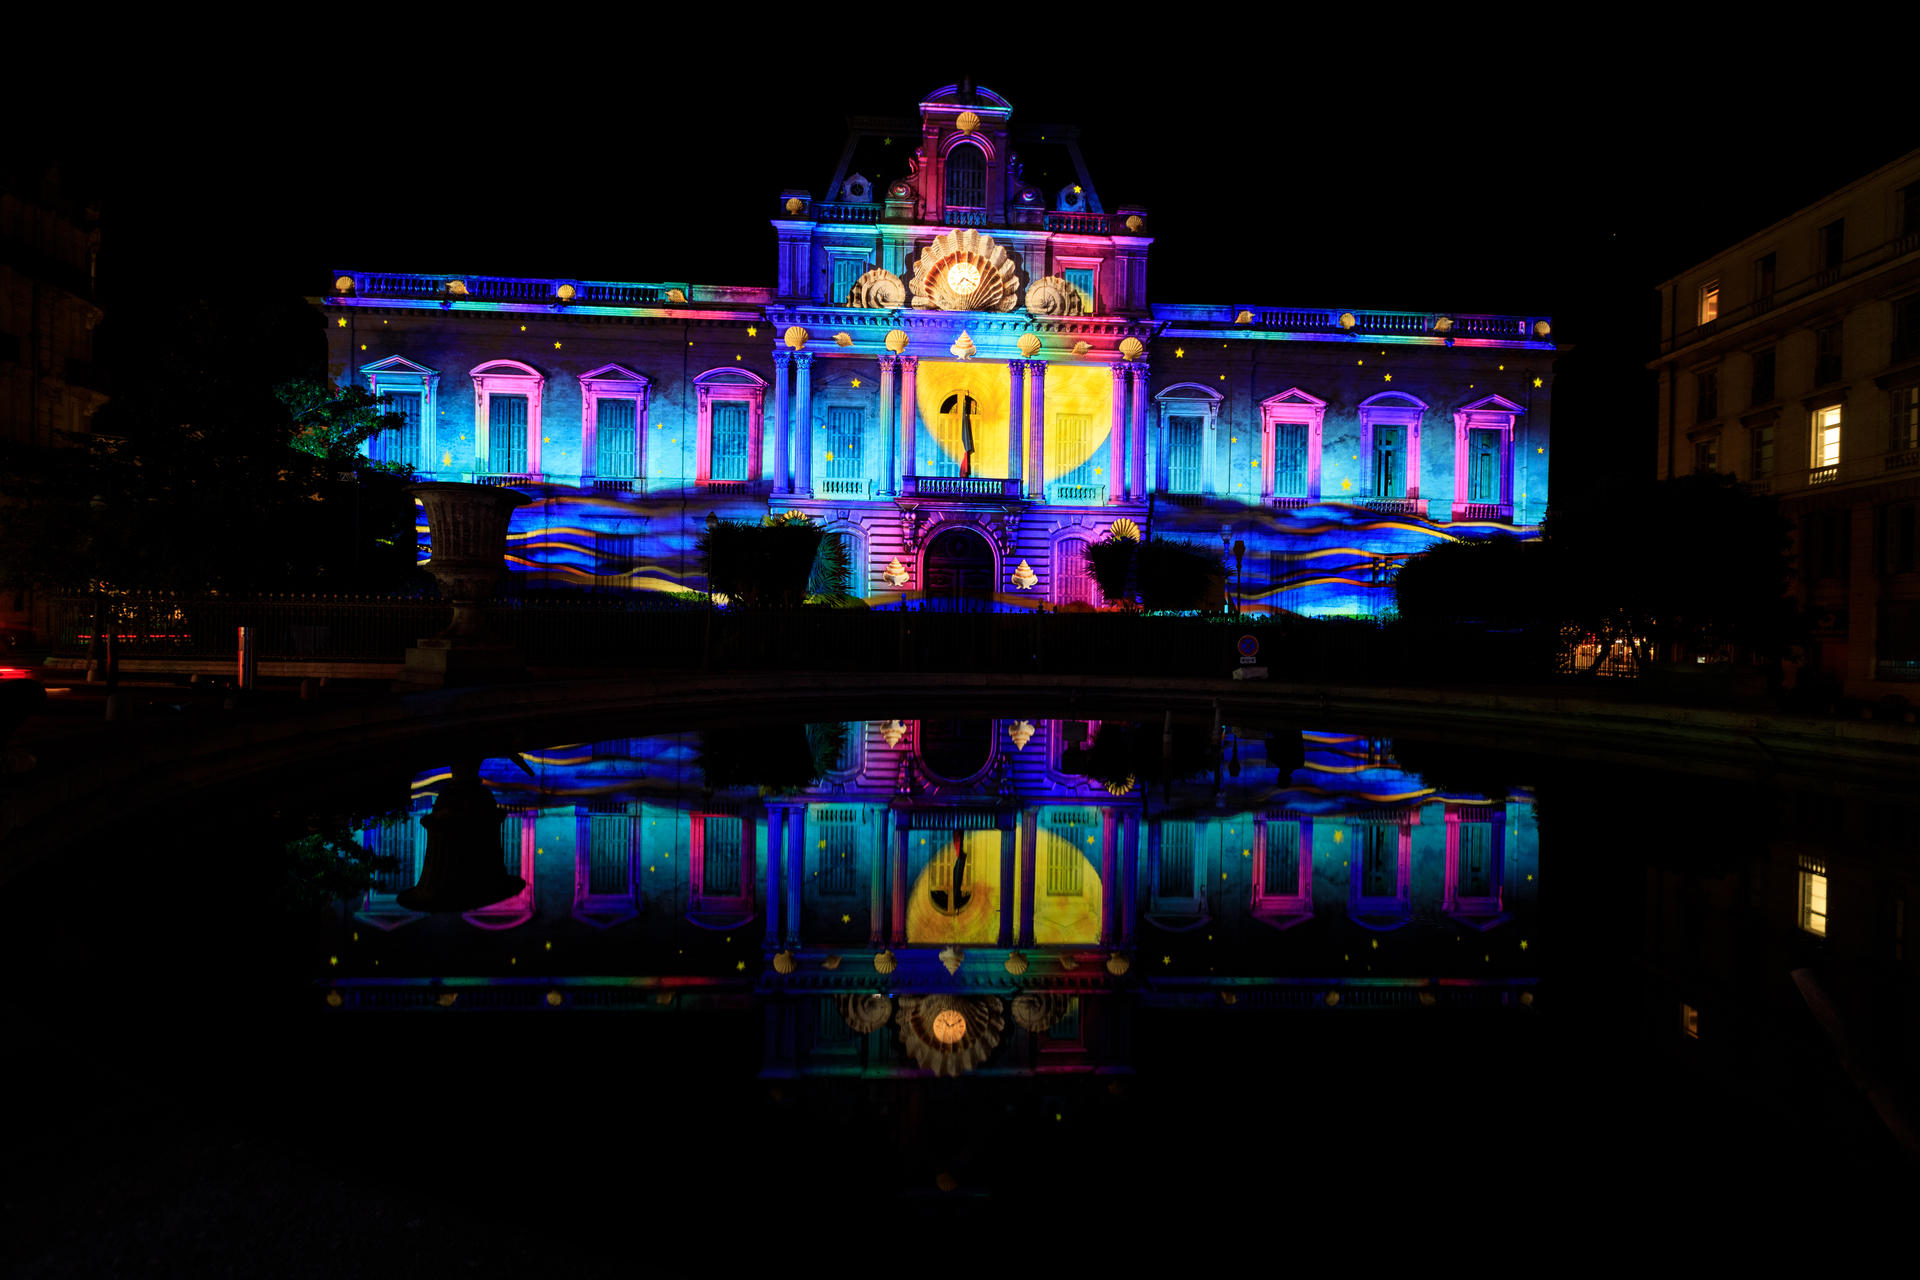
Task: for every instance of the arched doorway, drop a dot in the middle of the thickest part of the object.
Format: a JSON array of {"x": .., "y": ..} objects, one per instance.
[{"x": 959, "y": 566}]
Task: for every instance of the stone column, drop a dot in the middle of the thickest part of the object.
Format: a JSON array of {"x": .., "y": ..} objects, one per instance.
[
  {"x": 1117, "y": 440},
  {"x": 877, "y": 893},
  {"x": 1029, "y": 858},
  {"x": 796, "y": 869},
  {"x": 1129, "y": 878},
  {"x": 803, "y": 423},
  {"x": 888, "y": 440},
  {"x": 902, "y": 832},
  {"x": 1037, "y": 418},
  {"x": 776, "y": 445},
  {"x": 1016, "y": 394},
  {"x": 776, "y": 831},
  {"x": 1137, "y": 467},
  {"x": 1109, "y": 850},
  {"x": 1008, "y": 840},
  {"x": 909, "y": 418}
]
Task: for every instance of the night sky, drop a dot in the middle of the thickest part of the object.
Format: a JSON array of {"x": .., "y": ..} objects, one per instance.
[{"x": 1522, "y": 174}]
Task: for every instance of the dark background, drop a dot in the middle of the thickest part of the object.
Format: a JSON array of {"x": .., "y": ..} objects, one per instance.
[{"x": 1526, "y": 167}]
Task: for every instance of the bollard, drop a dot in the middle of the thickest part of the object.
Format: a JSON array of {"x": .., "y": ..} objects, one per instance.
[{"x": 248, "y": 660}]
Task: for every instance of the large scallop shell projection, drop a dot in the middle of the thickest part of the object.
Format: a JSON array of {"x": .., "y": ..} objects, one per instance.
[
  {"x": 1053, "y": 296},
  {"x": 877, "y": 288},
  {"x": 948, "y": 1035},
  {"x": 965, "y": 271}
]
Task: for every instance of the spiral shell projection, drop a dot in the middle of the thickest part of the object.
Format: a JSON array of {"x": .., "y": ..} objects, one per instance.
[
  {"x": 1039, "y": 1013},
  {"x": 963, "y": 346},
  {"x": 1024, "y": 577},
  {"x": 1081, "y": 348},
  {"x": 864, "y": 1013},
  {"x": 1130, "y": 348},
  {"x": 979, "y": 1024},
  {"x": 998, "y": 280},
  {"x": 1029, "y": 344},
  {"x": 1054, "y": 296},
  {"x": 878, "y": 288}
]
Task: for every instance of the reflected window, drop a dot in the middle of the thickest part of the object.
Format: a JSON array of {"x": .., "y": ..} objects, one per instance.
[
  {"x": 1813, "y": 895},
  {"x": 839, "y": 848},
  {"x": 609, "y": 847},
  {"x": 950, "y": 877},
  {"x": 1690, "y": 1022},
  {"x": 1283, "y": 870},
  {"x": 1379, "y": 863},
  {"x": 1176, "y": 859}
]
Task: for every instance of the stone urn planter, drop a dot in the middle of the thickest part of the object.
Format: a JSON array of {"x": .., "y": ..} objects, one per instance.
[
  {"x": 462, "y": 869},
  {"x": 467, "y": 524}
]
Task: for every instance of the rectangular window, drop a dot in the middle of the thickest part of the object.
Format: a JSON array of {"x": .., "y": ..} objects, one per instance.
[
  {"x": 609, "y": 851},
  {"x": 1379, "y": 859},
  {"x": 1824, "y": 543},
  {"x": 1706, "y": 395},
  {"x": 400, "y": 443},
  {"x": 1476, "y": 860},
  {"x": 393, "y": 844},
  {"x": 1813, "y": 895},
  {"x": 1283, "y": 858},
  {"x": 1906, "y": 219},
  {"x": 1690, "y": 1022},
  {"x": 1706, "y": 454},
  {"x": 838, "y": 849},
  {"x": 1184, "y": 437},
  {"x": 1906, "y": 328},
  {"x": 1389, "y": 462},
  {"x": 1761, "y": 391},
  {"x": 1905, "y": 420},
  {"x": 1071, "y": 442},
  {"x": 613, "y": 559},
  {"x": 729, "y": 440},
  {"x": 507, "y": 434},
  {"x": 846, "y": 432},
  {"x": 845, "y": 271},
  {"x": 1826, "y": 355},
  {"x": 1826, "y": 436},
  {"x": 1483, "y": 465},
  {"x": 720, "y": 856},
  {"x": 613, "y": 439},
  {"x": 1081, "y": 278},
  {"x": 1290, "y": 459},
  {"x": 1760, "y": 444},
  {"x": 1072, "y": 575},
  {"x": 1830, "y": 246},
  {"x": 1899, "y": 531},
  {"x": 1763, "y": 277},
  {"x": 1065, "y": 870},
  {"x": 1709, "y": 302},
  {"x": 1177, "y": 859}
]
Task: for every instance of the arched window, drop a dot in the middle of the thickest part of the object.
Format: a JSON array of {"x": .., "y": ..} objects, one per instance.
[{"x": 966, "y": 177}]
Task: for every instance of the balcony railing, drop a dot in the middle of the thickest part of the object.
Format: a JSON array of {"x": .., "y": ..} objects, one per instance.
[
  {"x": 1086, "y": 224},
  {"x": 1423, "y": 324},
  {"x": 506, "y": 479},
  {"x": 848, "y": 212},
  {"x": 1902, "y": 460},
  {"x": 968, "y": 218},
  {"x": 958, "y": 487},
  {"x": 1085, "y": 495},
  {"x": 614, "y": 484},
  {"x": 1823, "y": 475},
  {"x": 1394, "y": 506},
  {"x": 858, "y": 487},
  {"x": 1497, "y": 511},
  {"x": 1291, "y": 501}
]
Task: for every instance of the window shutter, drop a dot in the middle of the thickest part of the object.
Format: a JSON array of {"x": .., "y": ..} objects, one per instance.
[
  {"x": 1290, "y": 459},
  {"x": 614, "y": 445},
  {"x": 846, "y": 429},
  {"x": 1184, "y": 435},
  {"x": 507, "y": 434}
]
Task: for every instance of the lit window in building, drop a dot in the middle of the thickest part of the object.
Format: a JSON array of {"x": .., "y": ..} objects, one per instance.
[
  {"x": 1081, "y": 278},
  {"x": 1483, "y": 465},
  {"x": 954, "y": 433},
  {"x": 1813, "y": 895},
  {"x": 1709, "y": 301},
  {"x": 1826, "y": 436},
  {"x": 1706, "y": 454},
  {"x": 614, "y": 443},
  {"x": 507, "y": 434},
  {"x": 1072, "y": 575},
  {"x": 1185, "y": 435},
  {"x": 966, "y": 177},
  {"x": 846, "y": 433},
  {"x": 846, "y": 270},
  {"x": 401, "y": 443},
  {"x": 1290, "y": 459},
  {"x": 1389, "y": 462},
  {"x": 730, "y": 429},
  {"x": 1690, "y": 1021},
  {"x": 1072, "y": 442}
]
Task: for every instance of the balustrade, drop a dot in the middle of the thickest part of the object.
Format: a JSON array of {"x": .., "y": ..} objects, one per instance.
[
  {"x": 1823, "y": 475},
  {"x": 959, "y": 487}
]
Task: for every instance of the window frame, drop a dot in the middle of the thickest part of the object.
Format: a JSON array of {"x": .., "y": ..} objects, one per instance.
[
  {"x": 981, "y": 148},
  {"x": 1059, "y": 578},
  {"x": 1283, "y": 906},
  {"x": 1706, "y": 394},
  {"x": 507, "y": 378},
  {"x": 1394, "y": 409},
  {"x": 1372, "y": 911},
  {"x": 1809, "y": 869},
  {"x": 612, "y": 382},
  {"x": 727, "y": 383},
  {"x": 1772, "y": 388},
  {"x": 1187, "y": 400},
  {"x": 397, "y": 373},
  {"x": 1495, "y": 413},
  {"x": 1706, "y": 299},
  {"x": 720, "y": 911},
  {"x": 1479, "y": 911},
  {"x": 1063, "y": 263},
  {"x": 1295, "y": 406},
  {"x": 861, "y": 256},
  {"x": 1817, "y": 428},
  {"x": 604, "y": 909}
]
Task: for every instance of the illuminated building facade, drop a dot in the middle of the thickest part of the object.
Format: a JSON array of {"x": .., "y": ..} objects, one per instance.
[
  {"x": 958, "y": 370},
  {"x": 1792, "y": 361}
]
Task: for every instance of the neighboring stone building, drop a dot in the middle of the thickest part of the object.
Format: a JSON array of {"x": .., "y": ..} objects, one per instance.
[
  {"x": 1792, "y": 360},
  {"x": 959, "y": 370},
  {"x": 48, "y": 382}
]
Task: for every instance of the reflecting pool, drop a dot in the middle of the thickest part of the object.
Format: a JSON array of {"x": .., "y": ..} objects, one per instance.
[{"x": 579, "y": 990}]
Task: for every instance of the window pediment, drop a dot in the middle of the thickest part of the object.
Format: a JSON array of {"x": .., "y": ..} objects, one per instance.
[
  {"x": 506, "y": 369},
  {"x": 614, "y": 373},
  {"x": 1492, "y": 404},
  {"x": 729, "y": 376},
  {"x": 1189, "y": 391},
  {"x": 399, "y": 365},
  {"x": 1294, "y": 398}
]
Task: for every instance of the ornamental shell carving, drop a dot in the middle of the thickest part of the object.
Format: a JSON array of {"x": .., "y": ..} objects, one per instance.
[
  {"x": 1016, "y": 964},
  {"x": 676, "y": 295},
  {"x": 1054, "y": 296},
  {"x": 999, "y": 279},
  {"x": 1082, "y": 348},
  {"x": 1039, "y": 1013},
  {"x": 795, "y": 337},
  {"x": 864, "y": 1013},
  {"x": 963, "y": 347},
  {"x": 1117, "y": 964},
  {"x": 1130, "y": 348},
  {"x": 878, "y": 288},
  {"x": 953, "y": 958},
  {"x": 897, "y": 340},
  {"x": 1029, "y": 344},
  {"x": 783, "y": 962},
  {"x": 967, "y": 122},
  {"x": 985, "y": 1020},
  {"x": 883, "y": 962},
  {"x": 843, "y": 339}
]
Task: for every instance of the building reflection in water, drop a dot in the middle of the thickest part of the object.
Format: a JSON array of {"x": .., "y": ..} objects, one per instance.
[{"x": 973, "y": 895}]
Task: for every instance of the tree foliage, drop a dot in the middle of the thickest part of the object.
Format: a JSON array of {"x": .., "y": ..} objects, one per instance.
[{"x": 768, "y": 564}]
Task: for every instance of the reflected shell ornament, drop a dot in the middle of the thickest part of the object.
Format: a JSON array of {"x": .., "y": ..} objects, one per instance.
[
  {"x": 1029, "y": 344},
  {"x": 1054, "y": 296},
  {"x": 843, "y": 339},
  {"x": 1016, "y": 963},
  {"x": 783, "y": 962},
  {"x": 864, "y": 1013},
  {"x": 965, "y": 270},
  {"x": 1130, "y": 348},
  {"x": 879, "y": 289},
  {"x": 1024, "y": 577},
  {"x": 1117, "y": 964},
  {"x": 884, "y": 962},
  {"x": 897, "y": 342},
  {"x": 952, "y": 958},
  {"x": 795, "y": 337}
]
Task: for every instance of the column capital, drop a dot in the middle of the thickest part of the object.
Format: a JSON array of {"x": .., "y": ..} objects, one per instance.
[
  {"x": 1118, "y": 369},
  {"x": 888, "y": 360},
  {"x": 909, "y": 362},
  {"x": 804, "y": 358},
  {"x": 781, "y": 357},
  {"x": 1140, "y": 370}
]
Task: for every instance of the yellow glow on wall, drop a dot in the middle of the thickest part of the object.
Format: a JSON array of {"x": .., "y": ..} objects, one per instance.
[
  {"x": 987, "y": 385},
  {"x": 1081, "y": 391},
  {"x": 1057, "y": 917}
]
